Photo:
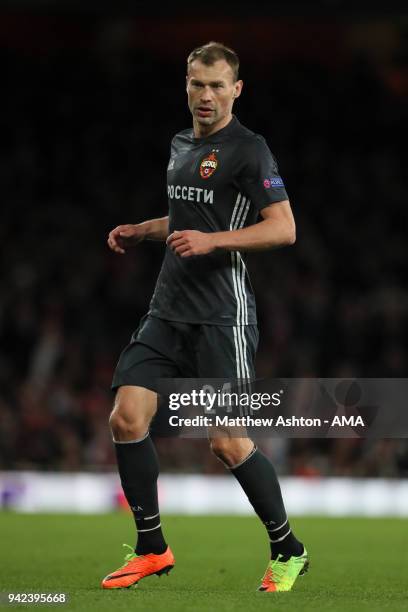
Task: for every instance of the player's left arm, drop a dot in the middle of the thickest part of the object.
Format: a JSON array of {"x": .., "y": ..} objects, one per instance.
[{"x": 276, "y": 229}]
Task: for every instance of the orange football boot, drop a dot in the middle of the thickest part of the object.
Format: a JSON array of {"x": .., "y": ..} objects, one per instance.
[{"x": 137, "y": 567}]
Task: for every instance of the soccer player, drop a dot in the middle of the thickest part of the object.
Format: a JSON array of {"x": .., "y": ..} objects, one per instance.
[{"x": 225, "y": 196}]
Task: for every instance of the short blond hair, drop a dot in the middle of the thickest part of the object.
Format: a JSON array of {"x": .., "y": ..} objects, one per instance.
[{"x": 213, "y": 51}]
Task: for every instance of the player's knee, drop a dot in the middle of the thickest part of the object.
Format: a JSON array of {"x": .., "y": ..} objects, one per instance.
[
  {"x": 128, "y": 422},
  {"x": 231, "y": 451},
  {"x": 221, "y": 447}
]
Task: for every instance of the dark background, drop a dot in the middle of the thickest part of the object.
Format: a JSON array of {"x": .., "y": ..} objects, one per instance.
[{"x": 90, "y": 100}]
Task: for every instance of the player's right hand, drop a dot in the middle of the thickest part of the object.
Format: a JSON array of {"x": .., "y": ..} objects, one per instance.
[{"x": 125, "y": 236}]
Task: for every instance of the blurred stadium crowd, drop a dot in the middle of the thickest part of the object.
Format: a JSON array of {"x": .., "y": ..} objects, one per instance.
[{"x": 85, "y": 147}]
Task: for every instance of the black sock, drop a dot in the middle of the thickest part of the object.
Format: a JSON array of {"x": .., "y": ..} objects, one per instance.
[
  {"x": 138, "y": 469},
  {"x": 257, "y": 477}
]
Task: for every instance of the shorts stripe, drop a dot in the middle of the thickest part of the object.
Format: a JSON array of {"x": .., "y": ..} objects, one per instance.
[
  {"x": 237, "y": 353},
  {"x": 245, "y": 351}
]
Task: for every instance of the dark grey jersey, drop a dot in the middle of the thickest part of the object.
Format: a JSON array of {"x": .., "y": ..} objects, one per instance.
[{"x": 214, "y": 184}]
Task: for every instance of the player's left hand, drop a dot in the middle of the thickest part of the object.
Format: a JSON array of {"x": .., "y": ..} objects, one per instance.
[{"x": 188, "y": 243}]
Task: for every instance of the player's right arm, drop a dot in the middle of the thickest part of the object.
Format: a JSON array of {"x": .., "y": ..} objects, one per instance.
[{"x": 129, "y": 235}]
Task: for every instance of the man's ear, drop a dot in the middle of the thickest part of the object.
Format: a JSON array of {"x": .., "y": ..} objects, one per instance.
[{"x": 238, "y": 88}]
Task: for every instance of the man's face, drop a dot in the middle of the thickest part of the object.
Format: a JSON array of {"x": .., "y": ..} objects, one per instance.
[{"x": 211, "y": 91}]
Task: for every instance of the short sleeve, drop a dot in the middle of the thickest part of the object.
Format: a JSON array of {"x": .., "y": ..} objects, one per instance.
[{"x": 260, "y": 179}]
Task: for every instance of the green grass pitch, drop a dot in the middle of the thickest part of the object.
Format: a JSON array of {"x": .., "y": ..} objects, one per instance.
[{"x": 356, "y": 564}]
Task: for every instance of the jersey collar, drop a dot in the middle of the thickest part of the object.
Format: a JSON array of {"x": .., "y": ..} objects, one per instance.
[{"x": 220, "y": 135}]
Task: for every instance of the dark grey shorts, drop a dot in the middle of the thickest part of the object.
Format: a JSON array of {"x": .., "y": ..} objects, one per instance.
[{"x": 168, "y": 349}]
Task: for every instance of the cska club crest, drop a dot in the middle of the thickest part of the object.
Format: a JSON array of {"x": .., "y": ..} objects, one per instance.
[{"x": 209, "y": 165}]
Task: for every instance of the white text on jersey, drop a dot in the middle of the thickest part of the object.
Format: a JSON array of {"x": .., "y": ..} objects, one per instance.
[{"x": 192, "y": 194}]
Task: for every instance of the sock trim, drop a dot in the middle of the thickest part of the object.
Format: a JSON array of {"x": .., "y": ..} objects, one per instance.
[
  {"x": 151, "y": 529},
  {"x": 131, "y": 441},
  {"x": 233, "y": 467},
  {"x": 280, "y": 539},
  {"x": 147, "y": 518},
  {"x": 277, "y": 528}
]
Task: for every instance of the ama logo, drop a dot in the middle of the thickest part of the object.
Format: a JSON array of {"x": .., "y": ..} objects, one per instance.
[{"x": 209, "y": 165}]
